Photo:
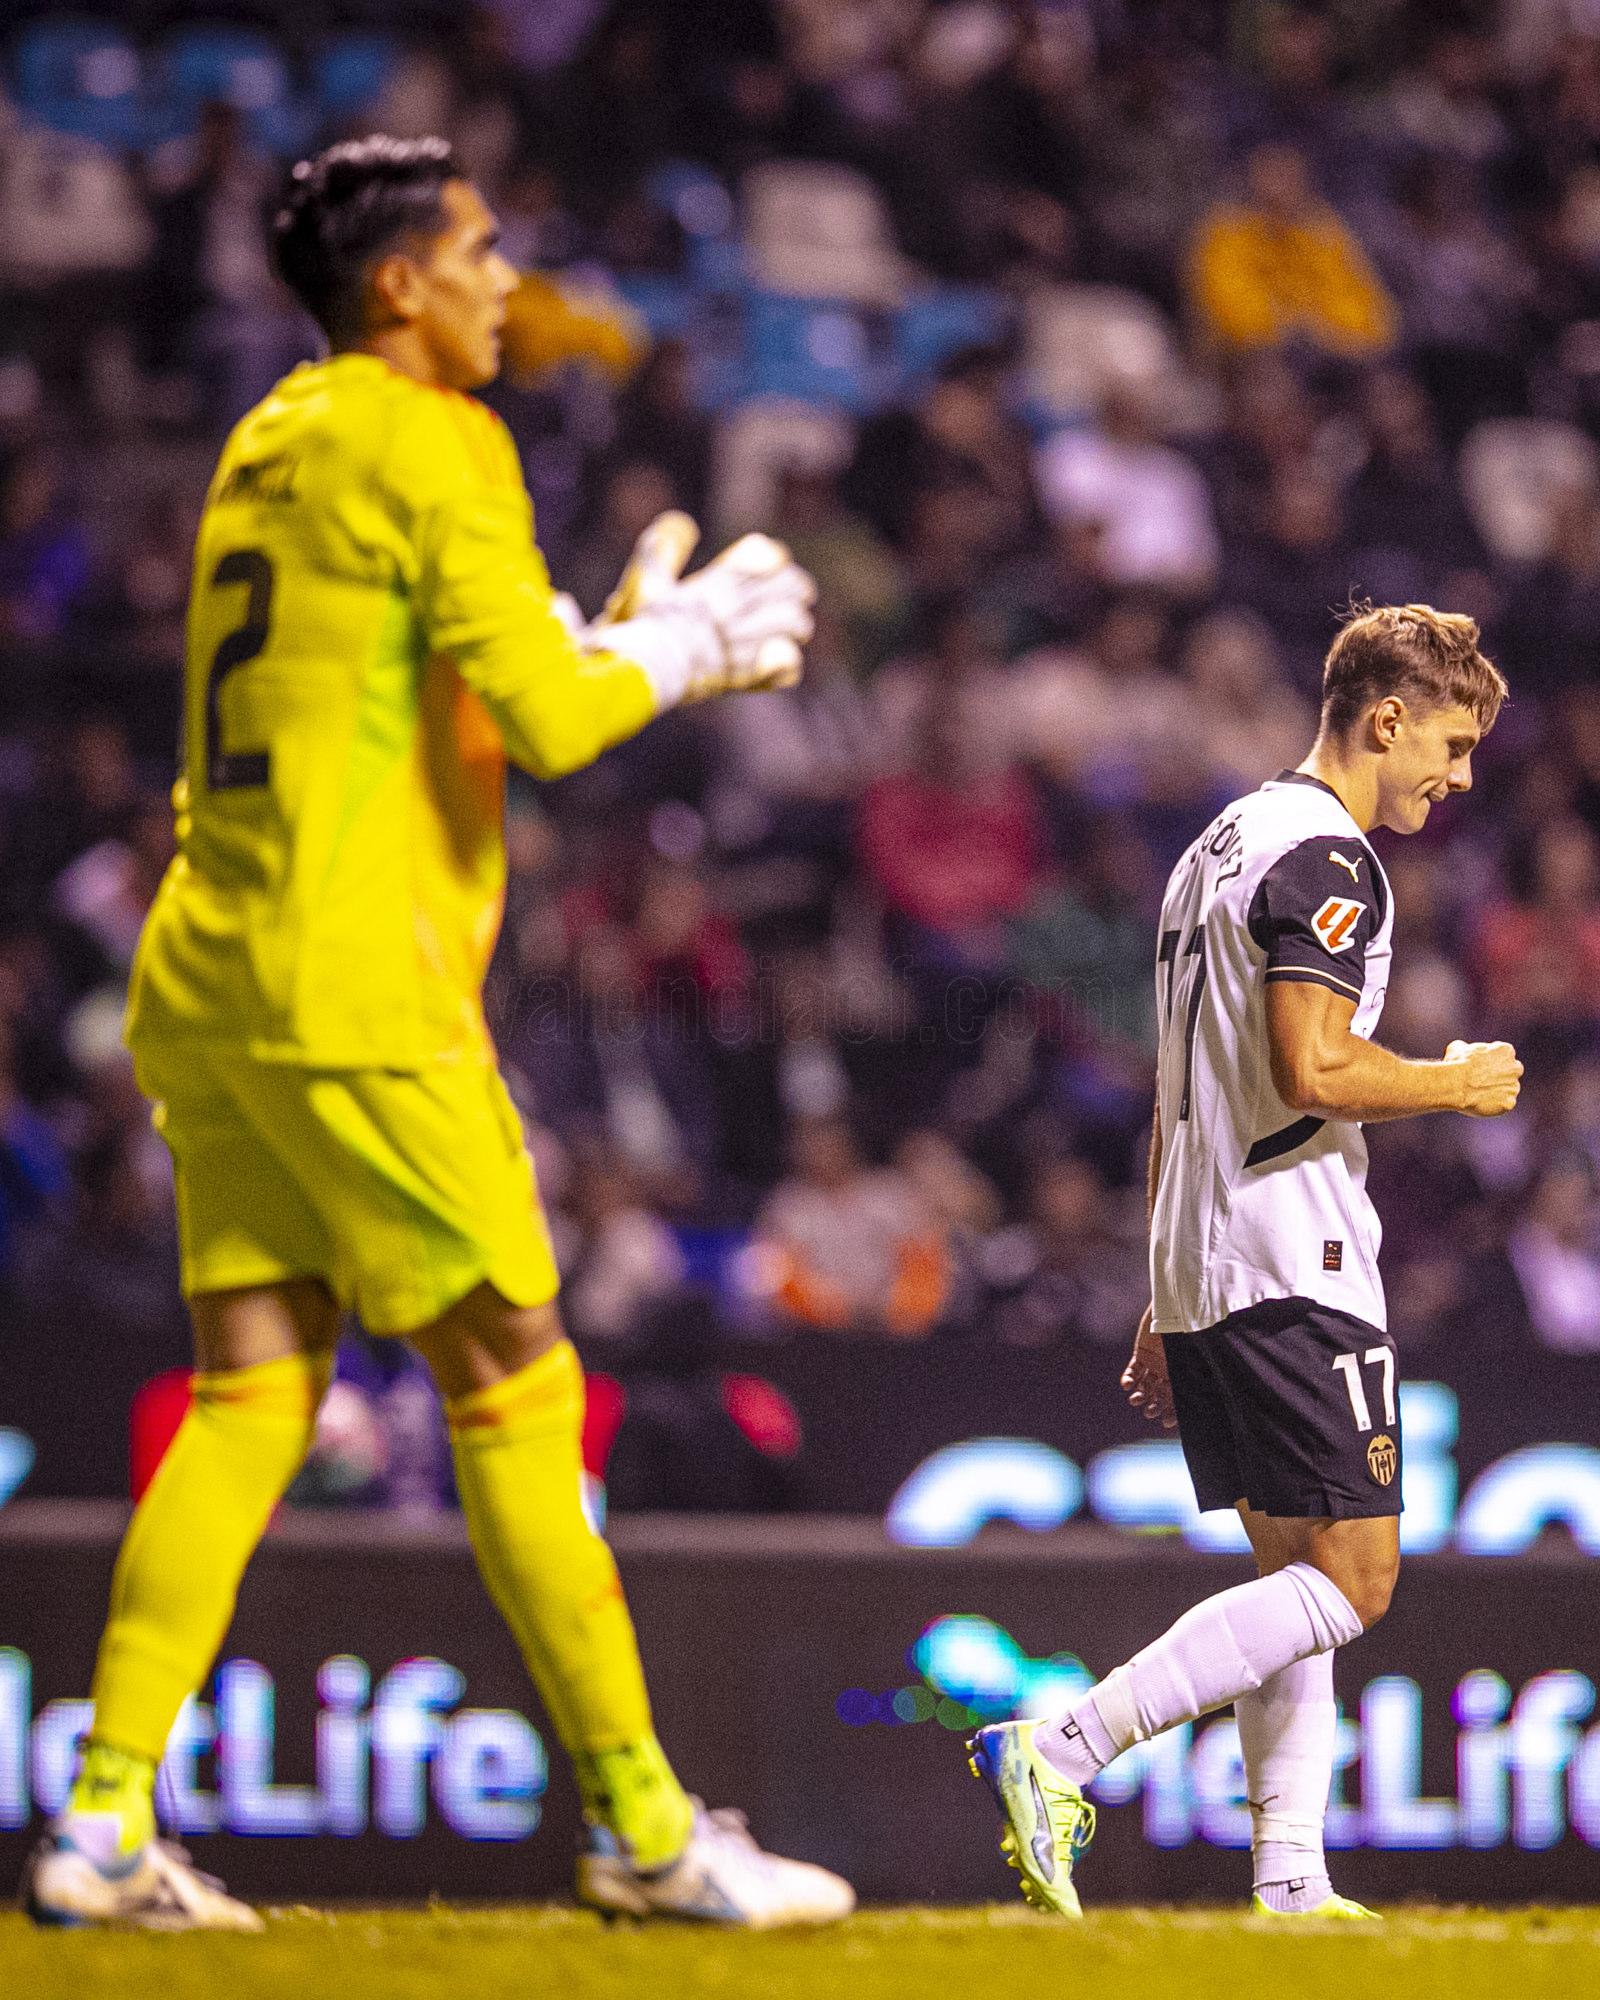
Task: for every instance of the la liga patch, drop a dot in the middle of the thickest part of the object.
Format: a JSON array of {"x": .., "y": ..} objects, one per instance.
[{"x": 1335, "y": 923}]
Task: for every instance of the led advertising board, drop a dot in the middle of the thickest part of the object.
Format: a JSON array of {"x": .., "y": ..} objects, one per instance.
[{"x": 370, "y": 1731}]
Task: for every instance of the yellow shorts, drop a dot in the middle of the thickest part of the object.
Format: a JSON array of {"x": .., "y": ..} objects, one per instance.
[{"x": 403, "y": 1190}]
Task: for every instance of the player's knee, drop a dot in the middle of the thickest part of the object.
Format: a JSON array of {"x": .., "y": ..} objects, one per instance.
[
  {"x": 517, "y": 1336},
  {"x": 483, "y": 1338},
  {"x": 1370, "y": 1587}
]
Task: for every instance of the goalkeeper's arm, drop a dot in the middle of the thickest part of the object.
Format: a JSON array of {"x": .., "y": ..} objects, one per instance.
[{"x": 484, "y": 598}]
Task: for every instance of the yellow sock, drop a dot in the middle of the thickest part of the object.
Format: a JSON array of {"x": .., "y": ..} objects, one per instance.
[
  {"x": 519, "y": 1469},
  {"x": 178, "y": 1573},
  {"x": 635, "y": 1792},
  {"x": 111, "y": 1783}
]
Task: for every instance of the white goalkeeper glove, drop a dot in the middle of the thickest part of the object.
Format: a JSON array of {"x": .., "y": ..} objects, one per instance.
[
  {"x": 736, "y": 626},
  {"x": 657, "y": 561}
]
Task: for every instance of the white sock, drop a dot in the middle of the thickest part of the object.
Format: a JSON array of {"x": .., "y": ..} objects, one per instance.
[
  {"x": 1287, "y": 1730},
  {"x": 1227, "y": 1646}
]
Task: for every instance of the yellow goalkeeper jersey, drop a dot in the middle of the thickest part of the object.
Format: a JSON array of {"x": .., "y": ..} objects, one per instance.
[{"x": 370, "y": 635}]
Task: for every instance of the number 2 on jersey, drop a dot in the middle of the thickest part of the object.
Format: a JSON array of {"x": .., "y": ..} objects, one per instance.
[
  {"x": 1168, "y": 956},
  {"x": 234, "y": 770}
]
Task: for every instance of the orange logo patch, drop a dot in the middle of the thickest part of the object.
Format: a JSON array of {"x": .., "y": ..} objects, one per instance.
[
  {"x": 1382, "y": 1458},
  {"x": 1335, "y": 922}
]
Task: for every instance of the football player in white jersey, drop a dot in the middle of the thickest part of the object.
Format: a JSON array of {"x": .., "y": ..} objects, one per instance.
[{"x": 1265, "y": 1342}]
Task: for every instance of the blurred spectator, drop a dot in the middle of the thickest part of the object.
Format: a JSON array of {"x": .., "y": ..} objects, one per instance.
[
  {"x": 961, "y": 439},
  {"x": 1092, "y": 718},
  {"x": 859, "y": 582},
  {"x": 624, "y": 1256},
  {"x": 1552, "y": 614},
  {"x": 1073, "y": 1271},
  {"x": 1249, "y": 724},
  {"x": 959, "y": 672},
  {"x": 1555, "y": 1252},
  {"x": 634, "y": 492},
  {"x": 1294, "y": 570},
  {"x": 1460, "y": 285},
  {"x": 794, "y": 763},
  {"x": 1279, "y": 266},
  {"x": 1147, "y": 500},
  {"x": 1084, "y": 940},
  {"x": 1150, "y": 155},
  {"x": 952, "y": 846},
  {"x": 1023, "y": 155},
  {"x": 550, "y": 323},
  {"x": 1405, "y": 515},
  {"x": 818, "y": 1042},
  {"x": 1293, "y": 95},
  {"x": 214, "y": 305},
  {"x": 848, "y": 1248},
  {"x": 1271, "y": 419},
  {"x": 602, "y": 1056},
  {"x": 624, "y": 83},
  {"x": 44, "y": 555},
  {"x": 68, "y": 210},
  {"x": 1443, "y": 105},
  {"x": 682, "y": 1432},
  {"x": 33, "y": 1169},
  {"x": 105, "y": 894},
  {"x": 659, "y": 423},
  {"x": 1537, "y": 955}
]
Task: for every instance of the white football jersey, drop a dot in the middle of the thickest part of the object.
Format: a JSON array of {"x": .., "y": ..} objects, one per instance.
[{"x": 1257, "y": 1201}]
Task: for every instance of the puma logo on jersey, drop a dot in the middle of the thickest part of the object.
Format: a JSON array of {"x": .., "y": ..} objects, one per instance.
[
  {"x": 1335, "y": 923},
  {"x": 1345, "y": 862}
]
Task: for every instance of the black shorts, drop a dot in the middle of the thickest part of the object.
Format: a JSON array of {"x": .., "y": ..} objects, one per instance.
[{"x": 1292, "y": 1407}]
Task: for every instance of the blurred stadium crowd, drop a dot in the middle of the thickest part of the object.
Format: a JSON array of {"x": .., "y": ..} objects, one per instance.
[{"x": 1093, "y": 356}]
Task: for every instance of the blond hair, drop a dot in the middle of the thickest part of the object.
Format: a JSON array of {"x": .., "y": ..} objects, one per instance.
[{"x": 1430, "y": 659}]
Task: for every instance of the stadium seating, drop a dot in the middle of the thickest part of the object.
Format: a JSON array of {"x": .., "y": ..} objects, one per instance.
[
  {"x": 830, "y": 353},
  {"x": 81, "y": 76},
  {"x": 932, "y": 325},
  {"x": 1081, "y": 338},
  {"x": 239, "y": 66},
  {"x": 819, "y": 231},
  {"x": 68, "y": 207},
  {"x": 694, "y": 197},
  {"x": 349, "y": 74}
]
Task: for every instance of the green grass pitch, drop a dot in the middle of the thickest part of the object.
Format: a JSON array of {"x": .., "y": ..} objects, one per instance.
[{"x": 1004, "y": 1949}]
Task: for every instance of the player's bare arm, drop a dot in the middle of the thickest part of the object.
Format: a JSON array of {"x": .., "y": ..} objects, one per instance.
[
  {"x": 1320, "y": 1067},
  {"x": 1144, "y": 1380}
]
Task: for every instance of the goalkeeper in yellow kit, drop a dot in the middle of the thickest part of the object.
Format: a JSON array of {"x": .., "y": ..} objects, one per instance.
[{"x": 372, "y": 634}]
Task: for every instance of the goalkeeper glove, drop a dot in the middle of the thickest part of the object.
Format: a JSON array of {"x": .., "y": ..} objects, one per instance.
[
  {"x": 736, "y": 626},
  {"x": 655, "y": 565}
]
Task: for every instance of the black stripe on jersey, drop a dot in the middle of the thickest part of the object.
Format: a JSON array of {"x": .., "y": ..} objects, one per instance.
[
  {"x": 1276, "y": 1144},
  {"x": 1304, "y": 975},
  {"x": 1304, "y": 778},
  {"x": 1313, "y": 879},
  {"x": 1379, "y": 880}
]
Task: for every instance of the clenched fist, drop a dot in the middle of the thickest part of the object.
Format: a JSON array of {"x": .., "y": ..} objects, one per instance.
[
  {"x": 1145, "y": 1382},
  {"x": 1490, "y": 1078}
]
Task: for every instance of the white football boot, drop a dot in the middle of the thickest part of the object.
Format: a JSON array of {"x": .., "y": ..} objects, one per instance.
[
  {"x": 721, "y": 1877},
  {"x": 157, "y": 1889}
]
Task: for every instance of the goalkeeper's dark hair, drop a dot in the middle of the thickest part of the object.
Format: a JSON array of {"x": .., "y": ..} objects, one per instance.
[{"x": 349, "y": 206}]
